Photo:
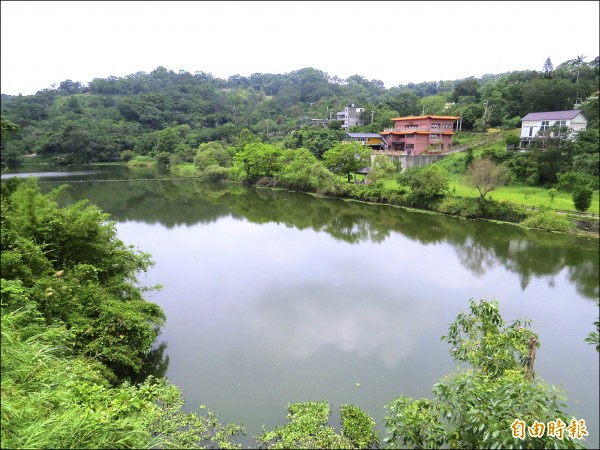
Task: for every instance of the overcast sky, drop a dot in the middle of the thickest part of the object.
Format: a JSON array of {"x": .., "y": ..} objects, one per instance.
[{"x": 395, "y": 42}]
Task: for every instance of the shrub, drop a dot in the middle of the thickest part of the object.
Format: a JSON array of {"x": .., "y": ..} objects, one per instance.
[
  {"x": 126, "y": 155},
  {"x": 582, "y": 198},
  {"x": 569, "y": 181},
  {"x": 504, "y": 211},
  {"x": 460, "y": 206},
  {"x": 140, "y": 160},
  {"x": 216, "y": 173},
  {"x": 163, "y": 158},
  {"x": 548, "y": 220},
  {"x": 308, "y": 428}
]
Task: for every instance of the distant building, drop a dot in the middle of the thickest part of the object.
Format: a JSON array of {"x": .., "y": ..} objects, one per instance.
[
  {"x": 350, "y": 116},
  {"x": 415, "y": 135},
  {"x": 373, "y": 140},
  {"x": 318, "y": 122},
  {"x": 537, "y": 126}
]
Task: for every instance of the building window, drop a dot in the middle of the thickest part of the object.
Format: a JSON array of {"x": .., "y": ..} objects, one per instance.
[
  {"x": 411, "y": 127},
  {"x": 435, "y": 126},
  {"x": 447, "y": 126},
  {"x": 545, "y": 125},
  {"x": 434, "y": 136},
  {"x": 410, "y": 136}
]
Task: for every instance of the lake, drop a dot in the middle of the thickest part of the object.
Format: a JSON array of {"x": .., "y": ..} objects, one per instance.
[{"x": 274, "y": 297}]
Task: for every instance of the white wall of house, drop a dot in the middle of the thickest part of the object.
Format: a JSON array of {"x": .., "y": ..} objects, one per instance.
[
  {"x": 530, "y": 128},
  {"x": 350, "y": 116}
]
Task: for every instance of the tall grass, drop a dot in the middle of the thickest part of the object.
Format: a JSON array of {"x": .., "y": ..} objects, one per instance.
[{"x": 40, "y": 407}]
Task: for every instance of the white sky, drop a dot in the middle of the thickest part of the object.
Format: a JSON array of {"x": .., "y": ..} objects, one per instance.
[{"x": 395, "y": 42}]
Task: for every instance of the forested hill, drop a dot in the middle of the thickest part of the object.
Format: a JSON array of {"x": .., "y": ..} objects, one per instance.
[{"x": 149, "y": 113}]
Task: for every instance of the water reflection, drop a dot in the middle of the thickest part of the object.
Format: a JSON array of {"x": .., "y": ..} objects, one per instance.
[
  {"x": 295, "y": 322},
  {"x": 480, "y": 246},
  {"x": 51, "y": 174}
]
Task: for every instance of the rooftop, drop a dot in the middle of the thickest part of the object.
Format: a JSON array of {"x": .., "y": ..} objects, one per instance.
[
  {"x": 364, "y": 135},
  {"x": 552, "y": 115},
  {"x": 426, "y": 117}
]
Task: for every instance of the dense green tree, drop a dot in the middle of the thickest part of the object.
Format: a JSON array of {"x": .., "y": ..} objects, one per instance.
[
  {"x": 300, "y": 169},
  {"x": 345, "y": 158},
  {"x": 545, "y": 94},
  {"x": 317, "y": 140},
  {"x": 586, "y": 152},
  {"x": 470, "y": 115},
  {"x": 435, "y": 104},
  {"x": 382, "y": 168},
  {"x": 259, "y": 160},
  {"x": 212, "y": 153},
  {"x": 167, "y": 140},
  {"x": 427, "y": 183},
  {"x": 10, "y": 157},
  {"x": 406, "y": 103},
  {"x": 582, "y": 198},
  {"x": 523, "y": 168},
  {"x": 468, "y": 87}
]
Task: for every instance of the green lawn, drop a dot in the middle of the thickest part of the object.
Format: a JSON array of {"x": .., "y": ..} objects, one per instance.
[
  {"x": 520, "y": 195},
  {"x": 524, "y": 195}
]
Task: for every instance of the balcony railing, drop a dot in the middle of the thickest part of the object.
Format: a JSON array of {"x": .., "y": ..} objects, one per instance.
[{"x": 428, "y": 129}]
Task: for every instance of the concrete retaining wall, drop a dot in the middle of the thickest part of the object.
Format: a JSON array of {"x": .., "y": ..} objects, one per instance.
[{"x": 410, "y": 161}]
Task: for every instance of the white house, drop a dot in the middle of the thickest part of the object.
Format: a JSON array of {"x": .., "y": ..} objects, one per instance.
[
  {"x": 350, "y": 116},
  {"x": 536, "y": 125}
]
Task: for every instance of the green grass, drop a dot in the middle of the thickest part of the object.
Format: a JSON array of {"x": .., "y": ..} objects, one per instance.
[
  {"x": 524, "y": 195},
  {"x": 185, "y": 170}
]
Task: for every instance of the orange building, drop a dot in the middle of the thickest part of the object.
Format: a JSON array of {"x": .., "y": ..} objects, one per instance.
[{"x": 415, "y": 135}]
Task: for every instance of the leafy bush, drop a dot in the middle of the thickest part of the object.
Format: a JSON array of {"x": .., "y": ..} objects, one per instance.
[
  {"x": 504, "y": 211},
  {"x": 378, "y": 193},
  {"x": 358, "y": 427},
  {"x": 582, "y": 198},
  {"x": 477, "y": 407},
  {"x": 216, "y": 173},
  {"x": 548, "y": 220},
  {"x": 126, "y": 155},
  {"x": 569, "y": 181},
  {"x": 164, "y": 158},
  {"x": 308, "y": 429},
  {"x": 427, "y": 183},
  {"x": 141, "y": 160},
  {"x": 79, "y": 274},
  {"x": 460, "y": 206}
]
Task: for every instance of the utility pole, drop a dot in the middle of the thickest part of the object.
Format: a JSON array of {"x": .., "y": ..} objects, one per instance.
[
  {"x": 484, "y": 119},
  {"x": 372, "y": 112}
]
